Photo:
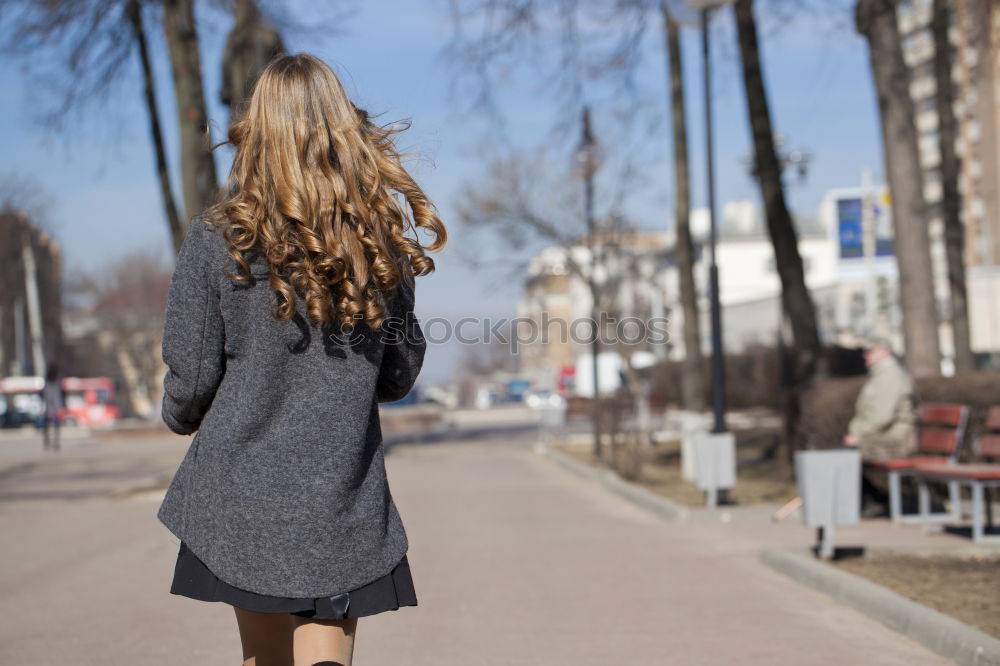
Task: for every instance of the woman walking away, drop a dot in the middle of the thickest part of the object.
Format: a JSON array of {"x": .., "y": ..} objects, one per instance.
[{"x": 289, "y": 318}]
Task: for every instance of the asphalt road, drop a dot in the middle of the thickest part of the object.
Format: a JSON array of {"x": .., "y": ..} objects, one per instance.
[{"x": 515, "y": 562}]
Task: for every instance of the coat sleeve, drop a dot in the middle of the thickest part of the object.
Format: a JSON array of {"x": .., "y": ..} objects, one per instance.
[
  {"x": 404, "y": 346},
  {"x": 193, "y": 335}
]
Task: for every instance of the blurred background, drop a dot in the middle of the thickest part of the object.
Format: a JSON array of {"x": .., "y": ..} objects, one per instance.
[
  {"x": 710, "y": 207},
  {"x": 110, "y": 113}
]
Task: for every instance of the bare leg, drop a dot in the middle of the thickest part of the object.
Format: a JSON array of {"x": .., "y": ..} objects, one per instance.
[
  {"x": 266, "y": 638},
  {"x": 319, "y": 641}
]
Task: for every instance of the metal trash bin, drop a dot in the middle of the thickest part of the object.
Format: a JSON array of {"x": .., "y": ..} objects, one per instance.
[
  {"x": 715, "y": 464},
  {"x": 829, "y": 484}
]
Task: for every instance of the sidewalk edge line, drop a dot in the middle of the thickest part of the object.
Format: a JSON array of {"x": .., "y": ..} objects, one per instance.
[
  {"x": 943, "y": 634},
  {"x": 645, "y": 499}
]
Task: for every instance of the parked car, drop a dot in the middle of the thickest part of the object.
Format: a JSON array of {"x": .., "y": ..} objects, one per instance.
[{"x": 544, "y": 400}]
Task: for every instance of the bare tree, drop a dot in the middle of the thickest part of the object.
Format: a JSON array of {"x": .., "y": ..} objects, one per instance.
[
  {"x": 796, "y": 301},
  {"x": 516, "y": 29},
  {"x": 134, "y": 11},
  {"x": 522, "y": 203},
  {"x": 876, "y": 20},
  {"x": 198, "y": 177},
  {"x": 583, "y": 55},
  {"x": 524, "y": 200},
  {"x": 951, "y": 204},
  {"x": 578, "y": 54},
  {"x": 84, "y": 47},
  {"x": 252, "y": 43},
  {"x": 20, "y": 193},
  {"x": 623, "y": 261},
  {"x": 693, "y": 377},
  {"x": 127, "y": 298}
]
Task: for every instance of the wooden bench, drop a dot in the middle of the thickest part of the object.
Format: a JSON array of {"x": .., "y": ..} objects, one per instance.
[
  {"x": 940, "y": 432},
  {"x": 981, "y": 477}
]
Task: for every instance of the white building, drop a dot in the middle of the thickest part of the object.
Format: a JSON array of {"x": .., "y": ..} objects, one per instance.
[
  {"x": 849, "y": 265},
  {"x": 749, "y": 286}
]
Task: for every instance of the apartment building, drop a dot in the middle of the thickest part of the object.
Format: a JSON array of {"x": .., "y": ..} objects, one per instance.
[
  {"x": 974, "y": 34},
  {"x": 31, "y": 334},
  {"x": 975, "y": 39}
]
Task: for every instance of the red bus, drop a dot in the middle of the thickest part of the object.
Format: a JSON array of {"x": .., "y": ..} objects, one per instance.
[{"x": 88, "y": 401}]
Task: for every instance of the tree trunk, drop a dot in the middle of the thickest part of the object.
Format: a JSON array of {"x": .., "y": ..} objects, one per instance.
[
  {"x": 876, "y": 20},
  {"x": 252, "y": 44},
  {"x": 951, "y": 206},
  {"x": 197, "y": 166},
  {"x": 796, "y": 300},
  {"x": 159, "y": 150},
  {"x": 693, "y": 380}
]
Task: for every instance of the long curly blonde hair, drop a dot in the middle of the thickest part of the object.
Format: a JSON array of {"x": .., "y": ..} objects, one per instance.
[{"x": 315, "y": 187}]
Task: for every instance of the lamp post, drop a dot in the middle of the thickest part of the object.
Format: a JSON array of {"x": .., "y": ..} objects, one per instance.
[
  {"x": 699, "y": 12},
  {"x": 704, "y": 9},
  {"x": 795, "y": 159},
  {"x": 714, "y": 454}
]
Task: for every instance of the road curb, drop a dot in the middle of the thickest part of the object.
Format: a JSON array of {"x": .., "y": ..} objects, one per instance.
[
  {"x": 659, "y": 505},
  {"x": 948, "y": 637}
]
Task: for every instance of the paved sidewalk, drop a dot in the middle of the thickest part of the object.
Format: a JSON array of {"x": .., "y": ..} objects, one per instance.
[
  {"x": 519, "y": 562},
  {"x": 515, "y": 562}
]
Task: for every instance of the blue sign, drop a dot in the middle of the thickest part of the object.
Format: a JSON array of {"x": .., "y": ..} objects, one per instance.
[{"x": 850, "y": 231}]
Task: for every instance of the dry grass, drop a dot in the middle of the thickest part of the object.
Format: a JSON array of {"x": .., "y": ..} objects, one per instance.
[
  {"x": 762, "y": 476},
  {"x": 966, "y": 588}
]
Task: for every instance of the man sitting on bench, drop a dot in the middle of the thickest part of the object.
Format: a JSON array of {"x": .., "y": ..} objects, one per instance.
[{"x": 884, "y": 420}]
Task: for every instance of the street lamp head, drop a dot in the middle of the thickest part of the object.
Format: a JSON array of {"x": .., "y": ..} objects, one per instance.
[
  {"x": 681, "y": 13},
  {"x": 703, "y": 5},
  {"x": 689, "y": 12},
  {"x": 588, "y": 152}
]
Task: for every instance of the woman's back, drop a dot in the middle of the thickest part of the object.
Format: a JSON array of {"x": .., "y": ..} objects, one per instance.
[
  {"x": 290, "y": 316},
  {"x": 289, "y": 319},
  {"x": 283, "y": 491}
]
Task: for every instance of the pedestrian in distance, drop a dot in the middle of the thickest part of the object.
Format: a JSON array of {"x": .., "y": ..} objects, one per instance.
[
  {"x": 52, "y": 404},
  {"x": 289, "y": 319}
]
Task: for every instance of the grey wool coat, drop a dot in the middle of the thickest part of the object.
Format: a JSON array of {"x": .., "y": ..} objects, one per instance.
[{"x": 283, "y": 489}]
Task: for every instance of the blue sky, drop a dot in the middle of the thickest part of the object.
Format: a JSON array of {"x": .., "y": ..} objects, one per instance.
[{"x": 104, "y": 198}]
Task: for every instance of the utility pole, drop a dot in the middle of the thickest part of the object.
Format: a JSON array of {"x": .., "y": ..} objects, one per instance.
[
  {"x": 586, "y": 155},
  {"x": 34, "y": 307},
  {"x": 20, "y": 351}
]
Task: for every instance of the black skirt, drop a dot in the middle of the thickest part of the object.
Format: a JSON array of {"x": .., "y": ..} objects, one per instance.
[{"x": 390, "y": 592}]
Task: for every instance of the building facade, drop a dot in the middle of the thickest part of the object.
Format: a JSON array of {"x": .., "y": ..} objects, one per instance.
[
  {"x": 31, "y": 334},
  {"x": 850, "y": 270},
  {"x": 975, "y": 37},
  {"x": 974, "y": 33}
]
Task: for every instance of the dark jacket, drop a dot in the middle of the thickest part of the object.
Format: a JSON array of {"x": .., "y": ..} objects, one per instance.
[{"x": 283, "y": 489}]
